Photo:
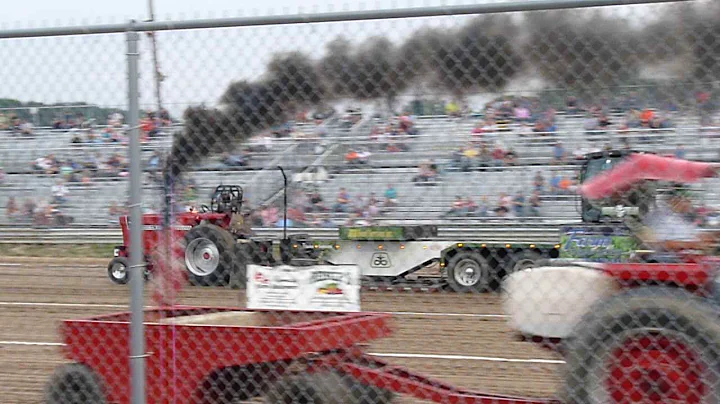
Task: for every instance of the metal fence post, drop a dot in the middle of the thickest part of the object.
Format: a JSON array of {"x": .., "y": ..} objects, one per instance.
[{"x": 137, "y": 337}]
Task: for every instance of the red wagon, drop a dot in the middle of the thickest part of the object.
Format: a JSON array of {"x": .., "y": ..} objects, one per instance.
[{"x": 206, "y": 355}]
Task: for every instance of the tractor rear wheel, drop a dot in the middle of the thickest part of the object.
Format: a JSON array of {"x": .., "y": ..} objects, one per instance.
[
  {"x": 210, "y": 256},
  {"x": 74, "y": 383},
  {"x": 651, "y": 345}
]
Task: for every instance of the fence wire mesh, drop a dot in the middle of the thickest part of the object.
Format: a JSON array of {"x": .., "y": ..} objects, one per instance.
[{"x": 481, "y": 208}]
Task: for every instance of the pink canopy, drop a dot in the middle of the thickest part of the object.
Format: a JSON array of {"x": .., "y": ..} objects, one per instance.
[{"x": 638, "y": 167}]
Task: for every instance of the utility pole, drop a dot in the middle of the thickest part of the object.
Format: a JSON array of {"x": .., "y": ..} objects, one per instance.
[{"x": 158, "y": 76}]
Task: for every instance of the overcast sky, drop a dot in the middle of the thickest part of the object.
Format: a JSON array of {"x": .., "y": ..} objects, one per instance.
[{"x": 199, "y": 64}]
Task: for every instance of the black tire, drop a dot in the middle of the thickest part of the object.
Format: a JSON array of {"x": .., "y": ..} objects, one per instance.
[
  {"x": 525, "y": 259},
  {"x": 460, "y": 280},
  {"x": 649, "y": 313},
  {"x": 325, "y": 387},
  {"x": 74, "y": 384},
  {"x": 210, "y": 256},
  {"x": 118, "y": 270}
]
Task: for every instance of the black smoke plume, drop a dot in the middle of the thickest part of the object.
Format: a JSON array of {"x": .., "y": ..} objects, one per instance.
[{"x": 565, "y": 48}]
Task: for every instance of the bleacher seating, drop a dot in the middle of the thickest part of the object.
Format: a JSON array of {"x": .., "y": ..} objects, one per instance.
[{"x": 438, "y": 138}]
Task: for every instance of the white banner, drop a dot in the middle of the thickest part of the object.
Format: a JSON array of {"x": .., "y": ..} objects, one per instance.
[{"x": 316, "y": 288}]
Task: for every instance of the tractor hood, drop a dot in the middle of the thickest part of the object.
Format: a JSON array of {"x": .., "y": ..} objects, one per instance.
[{"x": 641, "y": 167}]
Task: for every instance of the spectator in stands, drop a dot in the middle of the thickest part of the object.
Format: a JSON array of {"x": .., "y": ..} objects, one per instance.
[
  {"x": 566, "y": 184},
  {"x": 390, "y": 196},
  {"x": 539, "y": 182},
  {"x": 483, "y": 208},
  {"x": 522, "y": 113},
  {"x": 555, "y": 183},
  {"x": 316, "y": 202},
  {"x": 510, "y": 158},
  {"x": 357, "y": 158},
  {"x": 464, "y": 157},
  {"x": 426, "y": 174},
  {"x": 534, "y": 205},
  {"x": 452, "y": 109},
  {"x": 559, "y": 154},
  {"x": 573, "y": 105},
  {"x": 11, "y": 210},
  {"x": 498, "y": 155},
  {"x": 485, "y": 156},
  {"x": 519, "y": 204},
  {"x": 372, "y": 209},
  {"x": 503, "y": 207},
  {"x": 44, "y": 164},
  {"x": 234, "y": 160},
  {"x": 680, "y": 152},
  {"x": 342, "y": 203},
  {"x": 59, "y": 193},
  {"x": 478, "y": 132},
  {"x": 270, "y": 215},
  {"x": 29, "y": 208},
  {"x": 458, "y": 207}
]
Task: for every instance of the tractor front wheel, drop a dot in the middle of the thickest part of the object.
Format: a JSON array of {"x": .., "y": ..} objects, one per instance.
[
  {"x": 650, "y": 345},
  {"x": 74, "y": 383},
  {"x": 118, "y": 270}
]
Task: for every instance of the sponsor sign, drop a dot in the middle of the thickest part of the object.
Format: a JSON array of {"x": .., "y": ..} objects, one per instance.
[
  {"x": 597, "y": 246},
  {"x": 315, "y": 288},
  {"x": 372, "y": 233}
]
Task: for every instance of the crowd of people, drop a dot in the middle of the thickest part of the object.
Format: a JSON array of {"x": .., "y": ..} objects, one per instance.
[{"x": 485, "y": 149}]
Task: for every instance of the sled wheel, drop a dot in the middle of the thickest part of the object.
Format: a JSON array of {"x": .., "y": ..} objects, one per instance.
[
  {"x": 649, "y": 345},
  {"x": 325, "y": 387},
  {"x": 118, "y": 270},
  {"x": 525, "y": 260},
  {"x": 210, "y": 256},
  {"x": 468, "y": 272},
  {"x": 74, "y": 384}
]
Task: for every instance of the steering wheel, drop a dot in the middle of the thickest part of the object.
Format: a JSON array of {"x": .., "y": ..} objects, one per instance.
[{"x": 204, "y": 208}]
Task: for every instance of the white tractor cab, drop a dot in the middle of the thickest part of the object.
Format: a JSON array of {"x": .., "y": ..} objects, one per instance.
[{"x": 636, "y": 331}]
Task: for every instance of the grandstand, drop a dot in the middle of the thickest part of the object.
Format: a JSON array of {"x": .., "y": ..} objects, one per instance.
[{"x": 435, "y": 140}]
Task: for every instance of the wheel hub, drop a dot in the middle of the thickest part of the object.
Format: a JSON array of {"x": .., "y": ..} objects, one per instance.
[
  {"x": 202, "y": 257},
  {"x": 118, "y": 271},
  {"x": 468, "y": 272},
  {"x": 655, "y": 369}
]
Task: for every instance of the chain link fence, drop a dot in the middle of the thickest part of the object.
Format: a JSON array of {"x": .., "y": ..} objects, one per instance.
[{"x": 477, "y": 204}]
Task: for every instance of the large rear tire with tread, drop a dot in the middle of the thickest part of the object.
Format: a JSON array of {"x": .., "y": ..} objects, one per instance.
[
  {"x": 469, "y": 272},
  {"x": 325, "y": 387},
  {"x": 652, "y": 344},
  {"x": 74, "y": 383},
  {"x": 210, "y": 256}
]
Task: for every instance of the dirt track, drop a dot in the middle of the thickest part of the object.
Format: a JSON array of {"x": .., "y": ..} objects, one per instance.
[{"x": 30, "y": 291}]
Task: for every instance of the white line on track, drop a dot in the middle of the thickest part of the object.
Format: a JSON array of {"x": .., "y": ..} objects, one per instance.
[
  {"x": 121, "y": 306},
  {"x": 29, "y": 343},
  {"x": 41, "y": 265},
  {"x": 382, "y": 355},
  {"x": 84, "y": 305},
  {"x": 465, "y": 358},
  {"x": 413, "y": 313}
]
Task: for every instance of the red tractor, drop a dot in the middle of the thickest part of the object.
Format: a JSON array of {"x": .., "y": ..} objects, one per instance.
[
  {"x": 646, "y": 331},
  {"x": 217, "y": 243}
]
